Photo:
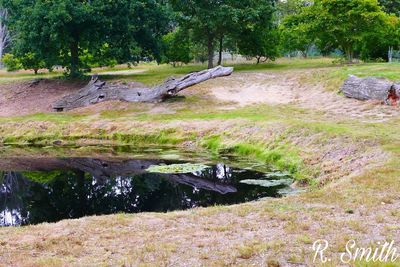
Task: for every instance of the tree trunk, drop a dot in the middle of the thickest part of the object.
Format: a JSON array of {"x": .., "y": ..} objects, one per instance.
[
  {"x": 98, "y": 91},
  {"x": 390, "y": 54},
  {"x": 372, "y": 88},
  {"x": 258, "y": 59},
  {"x": 5, "y": 36},
  {"x": 221, "y": 41},
  {"x": 74, "y": 49},
  {"x": 1, "y": 56},
  {"x": 349, "y": 54},
  {"x": 210, "y": 49}
]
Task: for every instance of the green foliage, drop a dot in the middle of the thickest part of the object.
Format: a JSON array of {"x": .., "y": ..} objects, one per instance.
[
  {"x": 58, "y": 32},
  {"x": 176, "y": 47},
  {"x": 344, "y": 24},
  {"x": 11, "y": 62},
  {"x": 30, "y": 61},
  {"x": 259, "y": 43},
  {"x": 376, "y": 44},
  {"x": 290, "y": 7},
  {"x": 297, "y": 33},
  {"x": 391, "y": 6},
  {"x": 212, "y": 20}
]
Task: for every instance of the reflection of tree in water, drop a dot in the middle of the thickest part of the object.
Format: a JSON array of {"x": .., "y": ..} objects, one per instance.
[
  {"x": 34, "y": 197},
  {"x": 12, "y": 189}
]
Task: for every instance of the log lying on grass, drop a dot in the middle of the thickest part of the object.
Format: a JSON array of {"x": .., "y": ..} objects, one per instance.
[
  {"x": 372, "y": 88},
  {"x": 98, "y": 91}
]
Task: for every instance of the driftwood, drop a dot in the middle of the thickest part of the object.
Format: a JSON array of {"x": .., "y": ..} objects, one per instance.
[
  {"x": 98, "y": 91},
  {"x": 372, "y": 88}
]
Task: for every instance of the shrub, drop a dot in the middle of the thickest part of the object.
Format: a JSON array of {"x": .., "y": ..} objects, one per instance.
[{"x": 11, "y": 63}]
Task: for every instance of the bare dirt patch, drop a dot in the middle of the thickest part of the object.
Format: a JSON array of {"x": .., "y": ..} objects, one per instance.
[
  {"x": 23, "y": 98},
  {"x": 286, "y": 88},
  {"x": 238, "y": 90}
]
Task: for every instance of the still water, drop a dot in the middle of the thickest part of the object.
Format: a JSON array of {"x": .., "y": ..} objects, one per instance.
[{"x": 35, "y": 190}]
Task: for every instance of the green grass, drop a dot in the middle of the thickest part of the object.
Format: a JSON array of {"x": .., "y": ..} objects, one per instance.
[
  {"x": 285, "y": 136},
  {"x": 73, "y": 127}
]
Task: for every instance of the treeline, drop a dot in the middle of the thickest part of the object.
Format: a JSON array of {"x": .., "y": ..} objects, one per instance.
[{"x": 82, "y": 34}]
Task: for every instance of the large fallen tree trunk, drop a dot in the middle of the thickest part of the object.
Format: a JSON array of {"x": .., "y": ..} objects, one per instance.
[
  {"x": 372, "y": 88},
  {"x": 98, "y": 91}
]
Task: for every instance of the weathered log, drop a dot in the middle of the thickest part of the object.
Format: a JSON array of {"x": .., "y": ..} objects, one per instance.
[
  {"x": 371, "y": 88},
  {"x": 98, "y": 91}
]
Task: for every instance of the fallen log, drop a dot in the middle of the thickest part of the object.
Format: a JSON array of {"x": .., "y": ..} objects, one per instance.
[
  {"x": 372, "y": 88},
  {"x": 98, "y": 91}
]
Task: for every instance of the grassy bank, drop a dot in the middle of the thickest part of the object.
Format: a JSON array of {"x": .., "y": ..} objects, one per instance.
[{"x": 351, "y": 162}]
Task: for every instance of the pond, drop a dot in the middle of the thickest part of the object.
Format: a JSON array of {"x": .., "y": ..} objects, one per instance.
[{"x": 35, "y": 189}]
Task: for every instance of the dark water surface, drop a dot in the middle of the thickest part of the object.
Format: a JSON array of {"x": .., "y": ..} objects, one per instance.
[{"x": 35, "y": 190}]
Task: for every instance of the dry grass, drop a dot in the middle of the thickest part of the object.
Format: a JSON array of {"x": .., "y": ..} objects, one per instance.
[{"x": 351, "y": 163}]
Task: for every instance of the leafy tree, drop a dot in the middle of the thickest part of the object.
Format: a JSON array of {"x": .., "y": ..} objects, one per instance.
[
  {"x": 345, "y": 24},
  {"x": 58, "y": 31},
  {"x": 211, "y": 20},
  {"x": 261, "y": 43},
  {"x": 297, "y": 33},
  {"x": 176, "y": 47},
  {"x": 30, "y": 61},
  {"x": 11, "y": 62},
  {"x": 380, "y": 43}
]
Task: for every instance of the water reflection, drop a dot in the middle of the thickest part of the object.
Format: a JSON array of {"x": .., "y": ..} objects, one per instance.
[{"x": 49, "y": 190}]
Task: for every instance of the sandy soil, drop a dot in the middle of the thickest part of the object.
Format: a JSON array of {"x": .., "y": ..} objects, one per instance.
[
  {"x": 286, "y": 88},
  {"x": 22, "y": 98},
  {"x": 238, "y": 90},
  {"x": 279, "y": 232}
]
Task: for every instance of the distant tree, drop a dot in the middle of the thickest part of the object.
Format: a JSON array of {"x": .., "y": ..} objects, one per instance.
[
  {"x": 11, "y": 62},
  {"x": 30, "y": 61},
  {"x": 211, "y": 20},
  {"x": 297, "y": 33},
  {"x": 199, "y": 52},
  {"x": 176, "y": 47},
  {"x": 58, "y": 31},
  {"x": 5, "y": 36},
  {"x": 381, "y": 43},
  {"x": 261, "y": 43},
  {"x": 345, "y": 24}
]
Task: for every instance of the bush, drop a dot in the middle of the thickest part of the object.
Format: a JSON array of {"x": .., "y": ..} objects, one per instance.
[
  {"x": 11, "y": 63},
  {"x": 30, "y": 61}
]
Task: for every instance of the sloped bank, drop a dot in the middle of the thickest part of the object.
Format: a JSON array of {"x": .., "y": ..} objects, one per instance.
[{"x": 311, "y": 155}]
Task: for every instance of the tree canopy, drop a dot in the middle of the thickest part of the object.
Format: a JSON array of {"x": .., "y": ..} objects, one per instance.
[
  {"x": 211, "y": 20},
  {"x": 81, "y": 34},
  {"x": 60, "y": 31}
]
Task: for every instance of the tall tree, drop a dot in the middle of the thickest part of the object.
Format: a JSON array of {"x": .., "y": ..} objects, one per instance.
[
  {"x": 212, "y": 20},
  {"x": 176, "y": 47},
  {"x": 297, "y": 33},
  {"x": 5, "y": 36},
  {"x": 58, "y": 31},
  {"x": 382, "y": 42},
  {"x": 345, "y": 24}
]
